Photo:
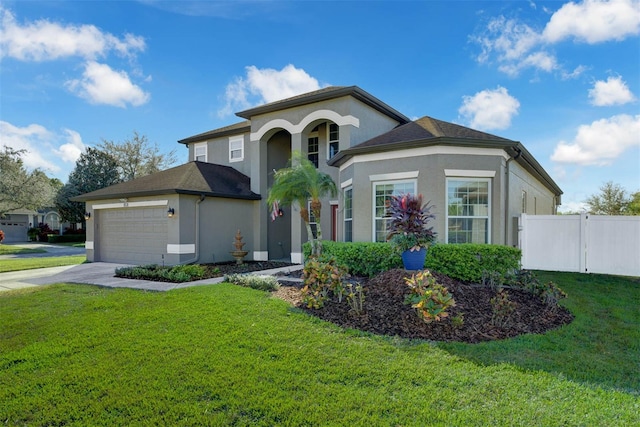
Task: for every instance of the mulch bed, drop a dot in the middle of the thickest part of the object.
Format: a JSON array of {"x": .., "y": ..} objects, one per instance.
[{"x": 385, "y": 313}]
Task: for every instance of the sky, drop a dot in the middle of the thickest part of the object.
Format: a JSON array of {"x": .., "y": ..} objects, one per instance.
[{"x": 563, "y": 78}]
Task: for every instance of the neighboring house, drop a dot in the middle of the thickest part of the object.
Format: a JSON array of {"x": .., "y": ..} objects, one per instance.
[
  {"x": 478, "y": 183},
  {"x": 16, "y": 224}
]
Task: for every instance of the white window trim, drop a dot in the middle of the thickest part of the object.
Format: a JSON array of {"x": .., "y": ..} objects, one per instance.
[
  {"x": 373, "y": 199},
  {"x": 235, "y": 140},
  {"x": 488, "y": 216},
  {"x": 329, "y": 141},
  {"x": 201, "y": 145},
  {"x": 344, "y": 213}
]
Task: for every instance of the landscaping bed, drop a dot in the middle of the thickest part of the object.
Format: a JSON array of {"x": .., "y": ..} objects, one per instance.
[{"x": 385, "y": 313}]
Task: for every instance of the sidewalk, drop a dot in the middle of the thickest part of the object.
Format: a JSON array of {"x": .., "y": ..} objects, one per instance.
[{"x": 51, "y": 250}]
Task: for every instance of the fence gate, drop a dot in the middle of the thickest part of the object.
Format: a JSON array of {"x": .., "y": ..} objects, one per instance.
[{"x": 580, "y": 243}]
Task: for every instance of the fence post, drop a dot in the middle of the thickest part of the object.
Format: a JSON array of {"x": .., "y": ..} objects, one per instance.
[
  {"x": 584, "y": 249},
  {"x": 522, "y": 239}
]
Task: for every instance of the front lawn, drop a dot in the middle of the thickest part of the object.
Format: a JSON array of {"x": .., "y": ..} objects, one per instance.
[
  {"x": 601, "y": 346},
  {"x": 17, "y": 264},
  {"x": 228, "y": 355}
]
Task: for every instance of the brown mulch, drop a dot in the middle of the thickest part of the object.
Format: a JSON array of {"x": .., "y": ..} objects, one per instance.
[{"x": 385, "y": 313}]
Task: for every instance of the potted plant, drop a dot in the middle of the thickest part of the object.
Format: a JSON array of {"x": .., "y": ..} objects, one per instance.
[{"x": 407, "y": 228}]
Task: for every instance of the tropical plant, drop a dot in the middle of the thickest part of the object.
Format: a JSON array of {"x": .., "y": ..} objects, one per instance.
[
  {"x": 298, "y": 183},
  {"x": 407, "y": 222},
  {"x": 430, "y": 299}
]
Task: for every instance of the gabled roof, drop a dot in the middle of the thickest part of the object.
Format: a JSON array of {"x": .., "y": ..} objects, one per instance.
[
  {"x": 191, "y": 178},
  {"x": 428, "y": 131},
  {"x": 234, "y": 129},
  {"x": 324, "y": 94}
]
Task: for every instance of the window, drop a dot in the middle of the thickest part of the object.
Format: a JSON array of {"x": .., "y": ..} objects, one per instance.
[
  {"x": 200, "y": 152},
  {"x": 468, "y": 210},
  {"x": 333, "y": 140},
  {"x": 382, "y": 191},
  {"x": 236, "y": 149},
  {"x": 348, "y": 214},
  {"x": 312, "y": 221},
  {"x": 524, "y": 201},
  {"x": 312, "y": 150}
]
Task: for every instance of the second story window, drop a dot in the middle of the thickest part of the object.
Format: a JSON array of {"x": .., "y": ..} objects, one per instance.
[
  {"x": 200, "y": 152},
  {"x": 236, "y": 149},
  {"x": 313, "y": 147},
  {"x": 333, "y": 140}
]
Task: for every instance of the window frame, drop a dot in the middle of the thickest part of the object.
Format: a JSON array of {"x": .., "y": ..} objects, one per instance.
[
  {"x": 232, "y": 140},
  {"x": 487, "y": 217},
  {"x": 204, "y": 145},
  {"x": 374, "y": 186},
  {"x": 347, "y": 214},
  {"x": 313, "y": 222},
  {"x": 332, "y": 141}
]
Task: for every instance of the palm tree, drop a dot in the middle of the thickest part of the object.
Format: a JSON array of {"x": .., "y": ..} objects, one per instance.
[{"x": 298, "y": 183}]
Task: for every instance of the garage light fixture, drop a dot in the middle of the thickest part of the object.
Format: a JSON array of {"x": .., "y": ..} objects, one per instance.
[
  {"x": 171, "y": 212},
  {"x": 87, "y": 215}
]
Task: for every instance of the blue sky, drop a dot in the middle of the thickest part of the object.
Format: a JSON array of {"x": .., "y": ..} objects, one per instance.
[{"x": 561, "y": 77}]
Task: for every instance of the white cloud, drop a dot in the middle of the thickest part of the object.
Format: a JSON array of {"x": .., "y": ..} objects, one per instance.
[
  {"x": 266, "y": 85},
  {"x": 612, "y": 92},
  {"x": 594, "y": 21},
  {"x": 516, "y": 46},
  {"x": 44, "y": 148},
  {"x": 601, "y": 142},
  {"x": 44, "y": 40},
  {"x": 102, "y": 85},
  {"x": 489, "y": 109}
]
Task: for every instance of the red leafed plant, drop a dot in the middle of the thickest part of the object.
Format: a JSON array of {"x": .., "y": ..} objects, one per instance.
[{"x": 407, "y": 222}]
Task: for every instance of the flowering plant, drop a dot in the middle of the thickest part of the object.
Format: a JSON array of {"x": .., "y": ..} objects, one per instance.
[{"x": 407, "y": 222}]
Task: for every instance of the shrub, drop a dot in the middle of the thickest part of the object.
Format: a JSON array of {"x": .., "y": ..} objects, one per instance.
[
  {"x": 254, "y": 281},
  {"x": 178, "y": 273},
  {"x": 467, "y": 261},
  {"x": 430, "y": 299},
  {"x": 1, "y": 236},
  {"x": 321, "y": 277},
  {"x": 502, "y": 308},
  {"x": 355, "y": 297},
  {"x": 66, "y": 238},
  {"x": 360, "y": 258},
  {"x": 407, "y": 222},
  {"x": 549, "y": 292}
]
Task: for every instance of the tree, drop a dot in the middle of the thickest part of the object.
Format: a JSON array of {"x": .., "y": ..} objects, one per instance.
[
  {"x": 19, "y": 188},
  {"x": 612, "y": 200},
  {"x": 299, "y": 183},
  {"x": 633, "y": 208},
  {"x": 94, "y": 170},
  {"x": 137, "y": 157}
]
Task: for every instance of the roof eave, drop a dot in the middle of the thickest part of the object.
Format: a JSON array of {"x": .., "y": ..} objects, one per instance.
[
  {"x": 215, "y": 134},
  {"x": 354, "y": 91},
  {"x": 89, "y": 198}
]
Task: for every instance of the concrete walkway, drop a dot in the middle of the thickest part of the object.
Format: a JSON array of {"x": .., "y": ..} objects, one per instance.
[{"x": 102, "y": 274}]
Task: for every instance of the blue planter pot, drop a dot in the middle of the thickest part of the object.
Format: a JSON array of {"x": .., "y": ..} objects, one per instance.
[{"x": 414, "y": 260}]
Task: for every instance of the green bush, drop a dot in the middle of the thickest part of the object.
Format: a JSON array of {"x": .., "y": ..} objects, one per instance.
[
  {"x": 254, "y": 281},
  {"x": 179, "y": 273},
  {"x": 468, "y": 261},
  {"x": 361, "y": 258},
  {"x": 66, "y": 238}
]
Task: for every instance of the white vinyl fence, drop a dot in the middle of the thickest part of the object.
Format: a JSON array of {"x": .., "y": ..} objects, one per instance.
[{"x": 580, "y": 243}]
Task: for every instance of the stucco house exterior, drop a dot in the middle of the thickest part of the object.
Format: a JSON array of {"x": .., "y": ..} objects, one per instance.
[
  {"x": 478, "y": 183},
  {"x": 16, "y": 224}
]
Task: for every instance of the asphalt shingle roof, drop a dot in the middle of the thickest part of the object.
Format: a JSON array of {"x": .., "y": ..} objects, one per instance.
[{"x": 191, "y": 178}]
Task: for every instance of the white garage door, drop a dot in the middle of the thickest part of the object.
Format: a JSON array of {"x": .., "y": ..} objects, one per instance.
[
  {"x": 132, "y": 236},
  {"x": 14, "y": 231}
]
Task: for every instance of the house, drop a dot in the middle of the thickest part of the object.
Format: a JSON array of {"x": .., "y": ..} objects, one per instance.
[
  {"x": 16, "y": 224},
  {"x": 478, "y": 183}
]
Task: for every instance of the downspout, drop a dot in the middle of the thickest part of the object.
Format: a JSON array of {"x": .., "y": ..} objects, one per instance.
[
  {"x": 506, "y": 199},
  {"x": 197, "y": 230}
]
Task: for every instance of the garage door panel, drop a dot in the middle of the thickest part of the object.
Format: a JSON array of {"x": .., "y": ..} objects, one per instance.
[{"x": 133, "y": 236}]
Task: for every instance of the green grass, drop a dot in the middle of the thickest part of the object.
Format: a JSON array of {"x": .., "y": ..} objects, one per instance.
[
  {"x": 72, "y": 244},
  {"x": 17, "y": 264},
  {"x": 600, "y": 347},
  {"x": 17, "y": 250},
  {"x": 227, "y": 355}
]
